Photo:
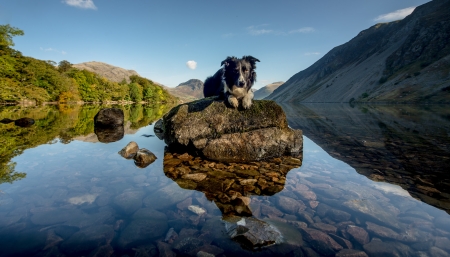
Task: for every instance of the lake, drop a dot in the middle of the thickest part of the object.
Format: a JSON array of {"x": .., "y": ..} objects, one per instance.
[{"x": 373, "y": 181}]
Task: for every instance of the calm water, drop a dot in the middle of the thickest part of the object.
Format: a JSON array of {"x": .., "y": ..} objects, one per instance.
[{"x": 373, "y": 179}]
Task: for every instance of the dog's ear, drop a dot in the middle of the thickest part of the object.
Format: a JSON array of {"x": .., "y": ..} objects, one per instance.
[
  {"x": 226, "y": 61},
  {"x": 252, "y": 60}
]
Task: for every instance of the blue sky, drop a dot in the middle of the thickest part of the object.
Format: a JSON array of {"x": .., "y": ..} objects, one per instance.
[{"x": 173, "y": 41}]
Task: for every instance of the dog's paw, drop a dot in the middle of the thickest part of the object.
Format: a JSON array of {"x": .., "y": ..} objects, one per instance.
[
  {"x": 233, "y": 102},
  {"x": 247, "y": 103}
]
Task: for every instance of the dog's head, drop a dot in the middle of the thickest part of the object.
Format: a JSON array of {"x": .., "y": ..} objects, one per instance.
[{"x": 240, "y": 73}]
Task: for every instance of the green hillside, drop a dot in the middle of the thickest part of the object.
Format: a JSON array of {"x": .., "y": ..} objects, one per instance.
[{"x": 24, "y": 78}]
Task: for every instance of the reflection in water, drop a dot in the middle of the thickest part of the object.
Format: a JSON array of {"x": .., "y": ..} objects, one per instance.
[
  {"x": 109, "y": 134},
  {"x": 81, "y": 198},
  {"x": 403, "y": 145},
  {"x": 230, "y": 186}
]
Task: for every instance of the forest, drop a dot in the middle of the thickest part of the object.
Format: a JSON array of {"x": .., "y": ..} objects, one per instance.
[{"x": 24, "y": 78}]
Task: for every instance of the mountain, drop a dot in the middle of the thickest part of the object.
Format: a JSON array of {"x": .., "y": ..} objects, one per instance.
[
  {"x": 267, "y": 90},
  {"x": 400, "y": 61},
  {"x": 108, "y": 71},
  {"x": 188, "y": 91}
]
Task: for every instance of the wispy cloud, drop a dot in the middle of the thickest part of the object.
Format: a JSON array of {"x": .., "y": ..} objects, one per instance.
[
  {"x": 84, "y": 4},
  {"x": 53, "y": 50},
  {"x": 257, "y": 30},
  {"x": 302, "y": 30},
  {"x": 191, "y": 64},
  {"x": 395, "y": 15},
  {"x": 312, "y": 53}
]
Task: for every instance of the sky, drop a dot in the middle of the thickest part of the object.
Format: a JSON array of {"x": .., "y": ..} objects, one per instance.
[{"x": 172, "y": 41}]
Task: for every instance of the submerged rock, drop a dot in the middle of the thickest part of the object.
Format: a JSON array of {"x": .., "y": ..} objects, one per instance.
[
  {"x": 229, "y": 134},
  {"x": 252, "y": 233}
]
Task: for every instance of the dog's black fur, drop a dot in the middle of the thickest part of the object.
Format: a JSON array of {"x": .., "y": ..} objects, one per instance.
[{"x": 233, "y": 81}]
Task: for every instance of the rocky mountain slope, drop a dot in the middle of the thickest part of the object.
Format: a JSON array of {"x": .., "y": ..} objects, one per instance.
[
  {"x": 400, "y": 61},
  {"x": 267, "y": 90},
  {"x": 188, "y": 91},
  {"x": 108, "y": 71}
]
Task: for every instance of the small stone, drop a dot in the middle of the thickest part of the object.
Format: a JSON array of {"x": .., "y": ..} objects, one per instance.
[
  {"x": 351, "y": 253},
  {"x": 143, "y": 158},
  {"x": 197, "y": 177},
  {"x": 130, "y": 150},
  {"x": 381, "y": 231},
  {"x": 204, "y": 254},
  {"x": 290, "y": 205},
  {"x": 358, "y": 234},
  {"x": 321, "y": 242},
  {"x": 165, "y": 250},
  {"x": 197, "y": 210}
]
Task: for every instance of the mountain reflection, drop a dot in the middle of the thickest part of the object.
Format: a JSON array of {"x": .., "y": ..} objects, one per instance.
[{"x": 403, "y": 145}]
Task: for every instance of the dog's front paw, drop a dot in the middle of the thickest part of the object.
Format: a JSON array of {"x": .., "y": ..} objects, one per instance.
[
  {"x": 247, "y": 100},
  {"x": 233, "y": 101},
  {"x": 247, "y": 103}
]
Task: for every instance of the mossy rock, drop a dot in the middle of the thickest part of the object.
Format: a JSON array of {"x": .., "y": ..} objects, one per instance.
[{"x": 222, "y": 133}]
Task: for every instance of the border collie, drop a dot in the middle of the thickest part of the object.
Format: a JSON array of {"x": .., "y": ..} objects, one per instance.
[{"x": 233, "y": 81}]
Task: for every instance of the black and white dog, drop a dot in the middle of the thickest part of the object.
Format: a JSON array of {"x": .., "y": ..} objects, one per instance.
[{"x": 233, "y": 81}]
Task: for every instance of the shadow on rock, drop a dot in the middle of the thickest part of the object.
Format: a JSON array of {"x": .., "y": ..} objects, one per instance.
[{"x": 230, "y": 186}]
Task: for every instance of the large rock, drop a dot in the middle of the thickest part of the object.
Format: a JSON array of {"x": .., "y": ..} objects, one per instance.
[
  {"x": 228, "y": 134},
  {"x": 109, "y": 117}
]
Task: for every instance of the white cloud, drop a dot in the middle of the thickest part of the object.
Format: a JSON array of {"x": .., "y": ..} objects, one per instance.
[
  {"x": 84, "y": 4},
  {"x": 302, "y": 30},
  {"x": 191, "y": 64},
  {"x": 259, "y": 30},
  {"x": 53, "y": 50},
  {"x": 312, "y": 53},
  {"x": 395, "y": 15},
  {"x": 256, "y": 31}
]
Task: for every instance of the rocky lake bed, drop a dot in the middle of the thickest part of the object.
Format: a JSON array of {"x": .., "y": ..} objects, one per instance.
[{"x": 86, "y": 199}]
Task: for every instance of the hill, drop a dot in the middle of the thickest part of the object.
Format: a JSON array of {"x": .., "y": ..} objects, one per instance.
[
  {"x": 113, "y": 73},
  {"x": 267, "y": 90},
  {"x": 402, "y": 61},
  {"x": 188, "y": 91},
  {"x": 26, "y": 79}
]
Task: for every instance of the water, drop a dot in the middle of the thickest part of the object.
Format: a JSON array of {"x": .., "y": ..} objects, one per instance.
[{"x": 372, "y": 178}]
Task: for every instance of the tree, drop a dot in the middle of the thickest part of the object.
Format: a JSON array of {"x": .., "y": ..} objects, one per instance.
[
  {"x": 6, "y": 34},
  {"x": 64, "y": 66}
]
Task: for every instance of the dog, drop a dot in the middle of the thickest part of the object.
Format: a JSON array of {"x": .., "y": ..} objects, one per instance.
[{"x": 233, "y": 81}]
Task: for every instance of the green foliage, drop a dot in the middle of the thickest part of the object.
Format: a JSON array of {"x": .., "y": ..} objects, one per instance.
[
  {"x": 25, "y": 78},
  {"x": 8, "y": 175},
  {"x": 135, "y": 92},
  {"x": 64, "y": 66},
  {"x": 6, "y": 34}
]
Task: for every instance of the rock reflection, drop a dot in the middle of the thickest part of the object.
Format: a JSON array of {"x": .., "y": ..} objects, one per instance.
[
  {"x": 22, "y": 122},
  {"x": 404, "y": 145},
  {"x": 109, "y": 134},
  {"x": 230, "y": 186}
]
